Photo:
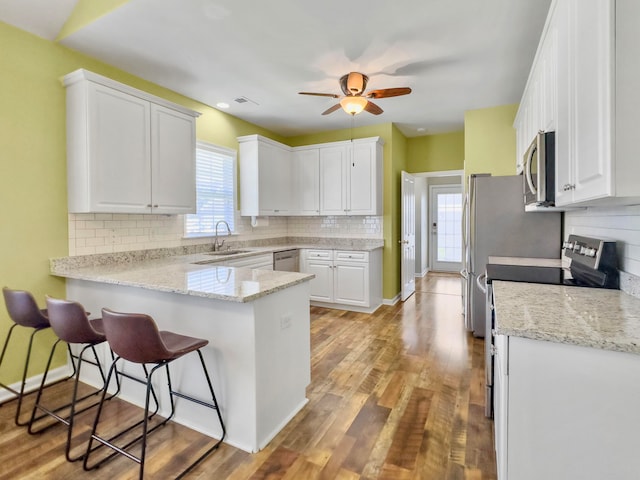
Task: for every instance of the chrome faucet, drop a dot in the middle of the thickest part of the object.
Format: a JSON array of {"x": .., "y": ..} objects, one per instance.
[{"x": 217, "y": 246}]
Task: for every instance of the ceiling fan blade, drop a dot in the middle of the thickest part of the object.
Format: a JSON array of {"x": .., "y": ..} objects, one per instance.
[
  {"x": 388, "y": 92},
  {"x": 332, "y": 95},
  {"x": 373, "y": 108},
  {"x": 331, "y": 109}
]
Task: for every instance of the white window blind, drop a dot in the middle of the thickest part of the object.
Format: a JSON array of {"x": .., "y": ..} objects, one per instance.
[{"x": 215, "y": 190}]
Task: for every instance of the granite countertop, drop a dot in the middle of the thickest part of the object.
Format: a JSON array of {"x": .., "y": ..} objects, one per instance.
[
  {"x": 175, "y": 269},
  {"x": 179, "y": 274},
  {"x": 590, "y": 317}
]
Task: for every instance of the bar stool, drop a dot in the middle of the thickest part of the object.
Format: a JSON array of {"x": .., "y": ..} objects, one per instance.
[
  {"x": 135, "y": 337},
  {"x": 24, "y": 312},
  {"x": 71, "y": 324}
]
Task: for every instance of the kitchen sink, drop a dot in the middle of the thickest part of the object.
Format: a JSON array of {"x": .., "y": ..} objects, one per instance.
[{"x": 227, "y": 252}]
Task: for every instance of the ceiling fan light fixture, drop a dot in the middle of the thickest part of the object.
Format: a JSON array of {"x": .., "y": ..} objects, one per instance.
[{"x": 353, "y": 105}]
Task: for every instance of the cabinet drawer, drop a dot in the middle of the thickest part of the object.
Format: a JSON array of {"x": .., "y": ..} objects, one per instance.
[
  {"x": 320, "y": 254},
  {"x": 352, "y": 256}
]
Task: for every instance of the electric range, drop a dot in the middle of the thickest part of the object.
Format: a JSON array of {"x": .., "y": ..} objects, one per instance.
[{"x": 592, "y": 263}]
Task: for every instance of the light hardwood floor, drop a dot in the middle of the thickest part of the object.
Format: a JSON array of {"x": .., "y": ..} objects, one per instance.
[{"x": 395, "y": 395}]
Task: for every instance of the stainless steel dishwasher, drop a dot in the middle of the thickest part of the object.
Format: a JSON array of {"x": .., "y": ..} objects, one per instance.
[{"x": 286, "y": 260}]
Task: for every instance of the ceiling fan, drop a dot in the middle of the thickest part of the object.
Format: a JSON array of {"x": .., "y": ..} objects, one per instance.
[{"x": 355, "y": 100}]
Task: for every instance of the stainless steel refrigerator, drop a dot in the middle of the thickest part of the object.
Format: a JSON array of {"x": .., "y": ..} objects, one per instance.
[{"x": 495, "y": 223}]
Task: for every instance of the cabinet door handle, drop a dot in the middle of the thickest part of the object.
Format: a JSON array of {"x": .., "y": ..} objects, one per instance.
[
  {"x": 148, "y": 205},
  {"x": 155, "y": 206}
]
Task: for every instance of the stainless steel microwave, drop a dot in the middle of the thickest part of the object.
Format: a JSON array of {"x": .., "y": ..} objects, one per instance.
[{"x": 539, "y": 173}]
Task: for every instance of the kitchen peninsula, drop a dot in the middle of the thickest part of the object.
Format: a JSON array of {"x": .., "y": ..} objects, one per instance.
[{"x": 256, "y": 321}]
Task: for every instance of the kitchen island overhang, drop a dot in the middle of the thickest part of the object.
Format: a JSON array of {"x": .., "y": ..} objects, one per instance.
[{"x": 257, "y": 323}]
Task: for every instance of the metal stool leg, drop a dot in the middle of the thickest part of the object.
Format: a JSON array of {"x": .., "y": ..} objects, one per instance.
[
  {"x": 213, "y": 406},
  {"x": 19, "y": 394},
  {"x": 150, "y": 395},
  {"x": 55, "y": 413}
]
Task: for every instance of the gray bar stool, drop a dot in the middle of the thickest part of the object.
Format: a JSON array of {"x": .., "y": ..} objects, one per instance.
[
  {"x": 71, "y": 324},
  {"x": 23, "y": 311},
  {"x": 135, "y": 338}
]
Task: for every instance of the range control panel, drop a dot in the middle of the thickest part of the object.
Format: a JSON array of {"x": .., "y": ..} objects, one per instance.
[{"x": 594, "y": 253}]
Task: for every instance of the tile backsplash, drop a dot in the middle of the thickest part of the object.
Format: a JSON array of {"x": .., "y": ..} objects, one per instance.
[{"x": 91, "y": 233}]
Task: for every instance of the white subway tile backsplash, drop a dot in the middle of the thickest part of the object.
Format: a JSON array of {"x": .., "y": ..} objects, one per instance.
[{"x": 121, "y": 232}]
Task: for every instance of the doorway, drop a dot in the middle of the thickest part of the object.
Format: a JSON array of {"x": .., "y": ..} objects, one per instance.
[
  {"x": 424, "y": 238},
  {"x": 445, "y": 227}
]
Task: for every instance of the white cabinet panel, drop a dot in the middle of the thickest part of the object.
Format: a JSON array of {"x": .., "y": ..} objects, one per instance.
[
  {"x": 364, "y": 172},
  {"x": 351, "y": 283},
  {"x": 322, "y": 285},
  {"x": 265, "y": 177},
  {"x": 568, "y": 412},
  {"x": 127, "y": 151},
  {"x": 564, "y": 128},
  {"x": 118, "y": 142},
  {"x": 333, "y": 180},
  {"x": 591, "y": 98},
  {"x": 173, "y": 169},
  {"x": 306, "y": 188},
  {"x": 500, "y": 402}
]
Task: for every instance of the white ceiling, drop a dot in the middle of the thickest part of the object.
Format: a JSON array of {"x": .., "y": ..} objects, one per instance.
[{"x": 456, "y": 55}]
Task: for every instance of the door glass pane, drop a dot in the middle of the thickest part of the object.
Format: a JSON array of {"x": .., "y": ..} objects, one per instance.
[{"x": 449, "y": 227}]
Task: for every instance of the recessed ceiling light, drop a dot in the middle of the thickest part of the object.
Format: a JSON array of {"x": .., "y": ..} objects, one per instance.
[
  {"x": 422, "y": 129},
  {"x": 222, "y": 105}
]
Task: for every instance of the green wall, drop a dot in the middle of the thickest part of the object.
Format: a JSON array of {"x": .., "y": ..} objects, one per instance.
[
  {"x": 436, "y": 153},
  {"x": 490, "y": 140},
  {"x": 33, "y": 184},
  {"x": 395, "y": 151}
]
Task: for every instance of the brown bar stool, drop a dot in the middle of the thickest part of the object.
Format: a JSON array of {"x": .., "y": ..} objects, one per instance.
[
  {"x": 71, "y": 324},
  {"x": 135, "y": 337},
  {"x": 24, "y": 312}
]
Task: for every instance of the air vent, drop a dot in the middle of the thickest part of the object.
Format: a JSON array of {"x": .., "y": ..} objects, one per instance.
[{"x": 245, "y": 100}]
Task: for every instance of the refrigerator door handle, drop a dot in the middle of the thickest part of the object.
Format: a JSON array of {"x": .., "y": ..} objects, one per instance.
[
  {"x": 465, "y": 203},
  {"x": 482, "y": 283}
]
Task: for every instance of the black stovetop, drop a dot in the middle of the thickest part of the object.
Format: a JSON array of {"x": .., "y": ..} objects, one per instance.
[{"x": 520, "y": 273}]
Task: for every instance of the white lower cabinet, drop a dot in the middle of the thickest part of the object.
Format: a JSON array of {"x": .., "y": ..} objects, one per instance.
[
  {"x": 565, "y": 412},
  {"x": 346, "y": 279}
]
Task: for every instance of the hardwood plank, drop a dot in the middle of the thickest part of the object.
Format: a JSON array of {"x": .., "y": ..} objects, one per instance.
[
  {"x": 409, "y": 434},
  {"x": 394, "y": 395}
]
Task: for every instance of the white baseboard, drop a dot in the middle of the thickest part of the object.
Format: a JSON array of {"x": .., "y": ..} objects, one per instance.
[
  {"x": 424, "y": 272},
  {"x": 391, "y": 301},
  {"x": 33, "y": 383}
]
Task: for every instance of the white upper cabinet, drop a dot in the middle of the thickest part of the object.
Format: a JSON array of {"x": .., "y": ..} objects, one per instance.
[
  {"x": 339, "y": 178},
  {"x": 127, "y": 151},
  {"x": 172, "y": 177},
  {"x": 364, "y": 192},
  {"x": 587, "y": 65},
  {"x": 351, "y": 178},
  {"x": 333, "y": 179},
  {"x": 590, "y": 158},
  {"x": 306, "y": 181},
  {"x": 265, "y": 177}
]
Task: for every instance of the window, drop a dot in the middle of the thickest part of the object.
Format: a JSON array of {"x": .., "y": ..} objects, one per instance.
[{"x": 215, "y": 190}]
